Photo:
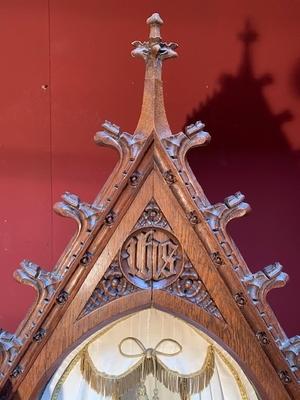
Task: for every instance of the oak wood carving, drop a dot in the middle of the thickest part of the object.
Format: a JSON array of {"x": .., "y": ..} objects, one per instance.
[{"x": 151, "y": 208}]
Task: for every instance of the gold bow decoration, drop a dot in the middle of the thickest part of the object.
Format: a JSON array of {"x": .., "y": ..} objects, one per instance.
[{"x": 117, "y": 385}]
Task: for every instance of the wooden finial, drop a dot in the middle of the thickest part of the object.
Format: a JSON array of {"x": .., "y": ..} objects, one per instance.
[
  {"x": 155, "y": 48},
  {"x": 155, "y": 22},
  {"x": 153, "y": 52}
]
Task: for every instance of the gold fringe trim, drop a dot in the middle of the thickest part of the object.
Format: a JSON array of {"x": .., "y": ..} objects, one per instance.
[
  {"x": 64, "y": 376},
  {"x": 79, "y": 355},
  {"x": 116, "y": 385},
  {"x": 240, "y": 384}
]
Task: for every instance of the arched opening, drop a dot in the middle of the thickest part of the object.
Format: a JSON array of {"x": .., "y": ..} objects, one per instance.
[{"x": 149, "y": 354}]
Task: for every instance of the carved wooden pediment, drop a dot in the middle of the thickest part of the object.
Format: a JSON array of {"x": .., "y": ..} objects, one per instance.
[
  {"x": 151, "y": 257},
  {"x": 151, "y": 238}
]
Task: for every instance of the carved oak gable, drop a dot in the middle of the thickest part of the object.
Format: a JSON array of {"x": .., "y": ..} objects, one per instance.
[
  {"x": 151, "y": 257},
  {"x": 151, "y": 238}
]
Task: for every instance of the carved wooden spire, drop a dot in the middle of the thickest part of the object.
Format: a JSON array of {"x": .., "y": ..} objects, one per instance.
[{"x": 154, "y": 51}]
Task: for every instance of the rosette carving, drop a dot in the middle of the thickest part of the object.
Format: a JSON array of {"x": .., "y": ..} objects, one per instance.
[
  {"x": 152, "y": 216},
  {"x": 190, "y": 287},
  {"x": 112, "y": 286}
]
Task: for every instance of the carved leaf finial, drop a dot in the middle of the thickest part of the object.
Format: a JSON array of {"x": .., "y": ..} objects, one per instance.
[
  {"x": 258, "y": 286},
  {"x": 9, "y": 346},
  {"x": 43, "y": 282},
  {"x": 155, "y": 48},
  {"x": 178, "y": 145},
  {"x": 85, "y": 215},
  {"x": 126, "y": 144},
  {"x": 291, "y": 350},
  {"x": 260, "y": 283},
  {"x": 220, "y": 214}
]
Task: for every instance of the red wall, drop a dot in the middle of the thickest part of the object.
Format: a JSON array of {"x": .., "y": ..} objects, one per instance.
[{"x": 81, "y": 50}]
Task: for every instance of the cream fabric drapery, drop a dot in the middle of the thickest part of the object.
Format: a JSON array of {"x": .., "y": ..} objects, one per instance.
[{"x": 150, "y": 327}]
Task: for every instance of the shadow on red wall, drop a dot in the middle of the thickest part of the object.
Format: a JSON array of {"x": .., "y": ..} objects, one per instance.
[{"x": 249, "y": 152}]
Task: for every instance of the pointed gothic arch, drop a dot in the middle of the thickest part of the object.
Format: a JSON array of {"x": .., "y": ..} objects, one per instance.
[{"x": 151, "y": 239}]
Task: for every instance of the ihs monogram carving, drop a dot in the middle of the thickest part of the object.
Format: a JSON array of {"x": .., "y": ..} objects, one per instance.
[
  {"x": 190, "y": 287},
  {"x": 151, "y": 257},
  {"x": 112, "y": 286}
]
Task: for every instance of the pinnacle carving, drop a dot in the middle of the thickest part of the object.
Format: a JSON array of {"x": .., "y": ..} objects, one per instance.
[
  {"x": 160, "y": 50},
  {"x": 155, "y": 21},
  {"x": 153, "y": 52}
]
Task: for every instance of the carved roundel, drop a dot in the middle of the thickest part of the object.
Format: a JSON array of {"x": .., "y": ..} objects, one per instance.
[{"x": 151, "y": 257}]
